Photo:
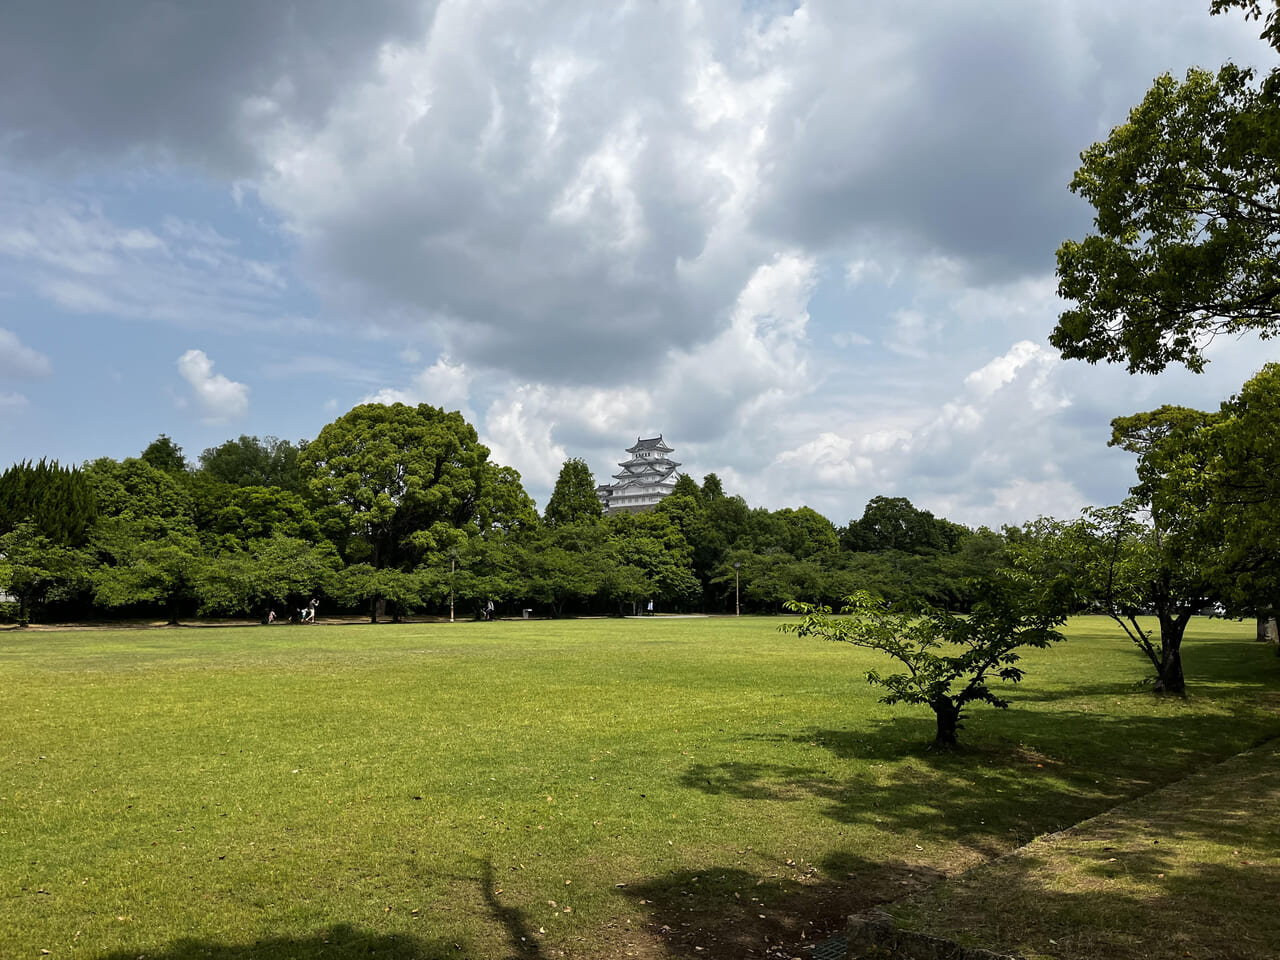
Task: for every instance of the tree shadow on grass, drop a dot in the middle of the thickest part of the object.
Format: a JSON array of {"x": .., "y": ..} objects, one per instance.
[
  {"x": 728, "y": 911},
  {"x": 524, "y": 945},
  {"x": 341, "y": 941},
  {"x": 1020, "y": 779},
  {"x": 1188, "y": 871},
  {"x": 1144, "y": 874}
]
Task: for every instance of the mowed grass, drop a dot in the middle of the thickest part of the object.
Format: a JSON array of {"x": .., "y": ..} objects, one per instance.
[
  {"x": 579, "y": 788},
  {"x": 1187, "y": 871}
]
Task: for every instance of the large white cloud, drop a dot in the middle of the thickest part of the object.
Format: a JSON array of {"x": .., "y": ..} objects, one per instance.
[{"x": 217, "y": 398}]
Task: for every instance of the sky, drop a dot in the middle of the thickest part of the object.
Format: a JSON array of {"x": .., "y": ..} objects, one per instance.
[{"x": 810, "y": 243}]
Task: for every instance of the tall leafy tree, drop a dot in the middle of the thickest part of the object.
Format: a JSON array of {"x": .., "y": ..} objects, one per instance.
[
  {"x": 57, "y": 500},
  {"x": 145, "y": 539},
  {"x": 1187, "y": 201},
  {"x": 33, "y": 565},
  {"x": 254, "y": 462},
  {"x": 165, "y": 455},
  {"x": 574, "y": 497},
  {"x": 393, "y": 484},
  {"x": 1119, "y": 561},
  {"x": 406, "y": 480},
  {"x": 1219, "y": 474},
  {"x": 894, "y": 523}
]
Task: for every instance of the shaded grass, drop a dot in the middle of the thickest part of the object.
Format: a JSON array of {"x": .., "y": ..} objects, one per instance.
[
  {"x": 1190, "y": 870},
  {"x": 539, "y": 788}
]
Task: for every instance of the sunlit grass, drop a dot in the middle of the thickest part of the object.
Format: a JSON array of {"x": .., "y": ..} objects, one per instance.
[{"x": 444, "y": 790}]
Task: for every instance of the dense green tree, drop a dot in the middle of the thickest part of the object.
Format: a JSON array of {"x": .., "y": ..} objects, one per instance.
[
  {"x": 1118, "y": 561},
  {"x": 144, "y": 538},
  {"x": 894, "y": 523},
  {"x": 400, "y": 591},
  {"x": 574, "y": 497},
  {"x": 57, "y": 500},
  {"x": 1187, "y": 201},
  {"x": 255, "y": 513},
  {"x": 165, "y": 455},
  {"x": 712, "y": 488},
  {"x": 133, "y": 490},
  {"x": 253, "y": 462},
  {"x": 33, "y": 565},
  {"x": 1232, "y": 469},
  {"x": 808, "y": 533},
  {"x": 560, "y": 568},
  {"x": 652, "y": 544},
  {"x": 135, "y": 569},
  {"x": 1216, "y": 474},
  {"x": 395, "y": 482}
]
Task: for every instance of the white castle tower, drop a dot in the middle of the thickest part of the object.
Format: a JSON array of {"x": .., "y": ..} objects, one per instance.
[{"x": 644, "y": 479}]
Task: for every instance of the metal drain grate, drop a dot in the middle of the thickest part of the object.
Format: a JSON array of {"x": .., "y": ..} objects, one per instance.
[{"x": 833, "y": 949}]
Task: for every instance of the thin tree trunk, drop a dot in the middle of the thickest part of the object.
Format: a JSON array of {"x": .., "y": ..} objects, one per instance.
[{"x": 948, "y": 715}]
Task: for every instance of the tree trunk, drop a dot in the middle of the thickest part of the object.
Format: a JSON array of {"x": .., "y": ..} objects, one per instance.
[
  {"x": 948, "y": 715},
  {"x": 1267, "y": 631},
  {"x": 1170, "y": 679}
]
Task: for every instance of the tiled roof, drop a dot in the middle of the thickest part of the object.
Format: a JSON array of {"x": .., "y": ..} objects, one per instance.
[{"x": 653, "y": 443}]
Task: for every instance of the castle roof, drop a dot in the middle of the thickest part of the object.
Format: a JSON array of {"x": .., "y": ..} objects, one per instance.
[{"x": 653, "y": 443}]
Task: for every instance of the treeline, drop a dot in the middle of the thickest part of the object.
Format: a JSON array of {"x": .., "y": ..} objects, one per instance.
[{"x": 394, "y": 510}]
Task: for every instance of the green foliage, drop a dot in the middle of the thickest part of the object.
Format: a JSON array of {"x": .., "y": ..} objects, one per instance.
[
  {"x": 574, "y": 498},
  {"x": 1253, "y": 11},
  {"x": 165, "y": 455},
  {"x": 33, "y": 565},
  {"x": 253, "y": 462},
  {"x": 57, "y": 500},
  {"x": 404, "y": 481},
  {"x": 1187, "y": 200},
  {"x": 652, "y": 545},
  {"x": 133, "y": 490},
  {"x": 361, "y": 583},
  {"x": 144, "y": 540},
  {"x": 1116, "y": 560},
  {"x": 893, "y": 523},
  {"x": 254, "y": 513},
  {"x": 564, "y": 565},
  {"x": 137, "y": 568},
  {"x": 1211, "y": 482},
  {"x": 950, "y": 659}
]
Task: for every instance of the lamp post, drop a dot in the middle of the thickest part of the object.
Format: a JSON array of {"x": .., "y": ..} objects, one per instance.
[
  {"x": 737, "y": 606},
  {"x": 453, "y": 561}
]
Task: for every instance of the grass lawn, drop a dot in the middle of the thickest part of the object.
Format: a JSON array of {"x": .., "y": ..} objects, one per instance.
[
  {"x": 1188, "y": 871},
  {"x": 541, "y": 789}
]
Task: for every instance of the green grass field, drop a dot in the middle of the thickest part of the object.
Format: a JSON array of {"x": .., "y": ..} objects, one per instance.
[{"x": 541, "y": 789}]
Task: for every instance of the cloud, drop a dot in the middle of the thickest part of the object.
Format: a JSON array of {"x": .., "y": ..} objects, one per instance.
[
  {"x": 444, "y": 384},
  {"x": 12, "y": 402},
  {"x": 17, "y": 360},
  {"x": 811, "y": 243},
  {"x": 80, "y": 82},
  {"x": 217, "y": 398},
  {"x": 68, "y": 249}
]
